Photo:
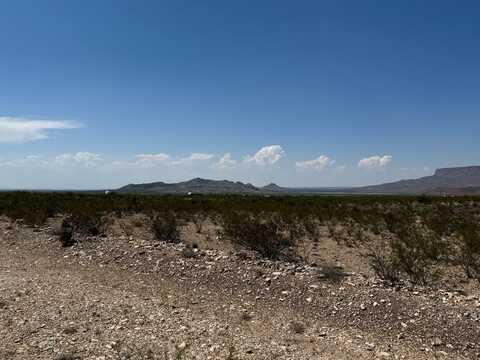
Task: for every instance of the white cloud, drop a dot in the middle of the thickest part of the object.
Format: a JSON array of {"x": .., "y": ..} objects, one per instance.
[
  {"x": 151, "y": 160},
  {"x": 199, "y": 157},
  {"x": 162, "y": 159},
  {"x": 79, "y": 158},
  {"x": 225, "y": 162},
  {"x": 267, "y": 155},
  {"x": 75, "y": 159},
  {"x": 318, "y": 164},
  {"x": 21, "y": 130},
  {"x": 375, "y": 162}
]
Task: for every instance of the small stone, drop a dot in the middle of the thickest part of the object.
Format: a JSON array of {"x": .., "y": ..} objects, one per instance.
[
  {"x": 70, "y": 330},
  {"x": 437, "y": 342}
]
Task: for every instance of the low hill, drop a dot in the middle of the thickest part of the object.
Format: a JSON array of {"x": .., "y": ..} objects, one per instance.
[
  {"x": 196, "y": 186},
  {"x": 273, "y": 187}
]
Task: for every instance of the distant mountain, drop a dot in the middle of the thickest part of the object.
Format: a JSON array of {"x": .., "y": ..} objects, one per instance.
[
  {"x": 458, "y": 180},
  {"x": 273, "y": 187},
  {"x": 196, "y": 186},
  {"x": 455, "y": 181}
]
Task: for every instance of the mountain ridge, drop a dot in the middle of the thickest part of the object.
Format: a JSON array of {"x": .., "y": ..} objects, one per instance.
[
  {"x": 195, "y": 185},
  {"x": 455, "y": 180},
  {"x": 444, "y": 180}
]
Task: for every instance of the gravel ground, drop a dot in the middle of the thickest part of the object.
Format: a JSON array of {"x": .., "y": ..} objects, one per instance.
[{"x": 123, "y": 297}]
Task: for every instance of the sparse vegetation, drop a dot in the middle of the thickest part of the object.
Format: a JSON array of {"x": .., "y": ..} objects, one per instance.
[{"x": 418, "y": 235}]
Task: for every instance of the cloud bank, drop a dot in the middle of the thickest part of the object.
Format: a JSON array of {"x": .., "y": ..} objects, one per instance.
[
  {"x": 21, "y": 130},
  {"x": 79, "y": 158}
]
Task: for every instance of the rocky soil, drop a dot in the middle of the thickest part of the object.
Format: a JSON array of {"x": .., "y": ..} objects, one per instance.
[{"x": 127, "y": 296}]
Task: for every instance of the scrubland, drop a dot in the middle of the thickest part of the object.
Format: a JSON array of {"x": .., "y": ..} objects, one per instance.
[{"x": 93, "y": 276}]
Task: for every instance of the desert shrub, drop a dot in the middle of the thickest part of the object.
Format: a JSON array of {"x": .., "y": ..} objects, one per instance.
[
  {"x": 424, "y": 199},
  {"x": 198, "y": 220},
  {"x": 408, "y": 247},
  {"x": 246, "y": 316},
  {"x": 88, "y": 223},
  {"x": 36, "y": 217},
  {"x": 412, "y": 261},
  {"x": 332, "y": 273},
  {"x": 402, "y": 260},
  {"x": 138, "y": 223},
  {"x": 384, "y": 266},
  {"x": 415, "y": 249},
  {"x": 259, "y": 232},
  {"x": 66, "y": 233},
  {"x": 300, "y": 226},
  {"x": 469, "y": 234},
  {"x": 188, "y": 252},
  {"x": 164, "y": 227},
  {"x": 298, "y": 327}
]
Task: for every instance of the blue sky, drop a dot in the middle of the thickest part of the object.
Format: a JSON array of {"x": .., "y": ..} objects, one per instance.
[{"x": 305, "y": 93}]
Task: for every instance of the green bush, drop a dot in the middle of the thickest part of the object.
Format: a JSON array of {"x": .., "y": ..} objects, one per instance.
[
  {"x": 88, "y": 223},
  {"x": 415, "y": 248},
  {"x": 470, "y": 249},
  {"x": 66, "y": 233},
  {"x": 164, "y": 227},
  {"x": 260, "y": 233},
  {"x": 384, "y": 265}
]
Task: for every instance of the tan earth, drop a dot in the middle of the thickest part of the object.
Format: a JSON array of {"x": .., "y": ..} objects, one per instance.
[{"x": 127, "y": 296}]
